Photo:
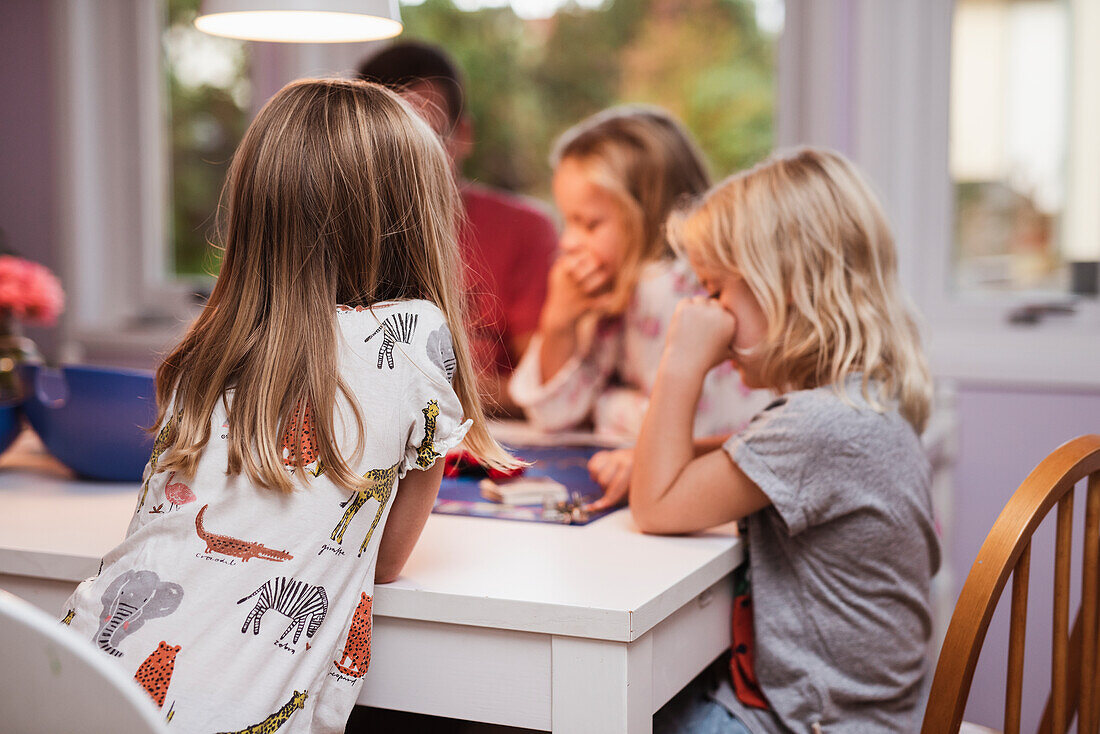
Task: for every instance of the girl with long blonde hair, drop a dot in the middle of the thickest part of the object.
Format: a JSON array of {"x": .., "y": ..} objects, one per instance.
[
  {"x": 829, "y": 482},
  {"x": 614, "y": 286},
  {"x": 300, "y": 422}
]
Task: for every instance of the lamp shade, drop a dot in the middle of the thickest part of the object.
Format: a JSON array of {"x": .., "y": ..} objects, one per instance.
[{"x": 301, "y": 21}]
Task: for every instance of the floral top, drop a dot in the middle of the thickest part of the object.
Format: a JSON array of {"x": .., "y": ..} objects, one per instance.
[
  {"x": 610, "y": 384},
  {"x": 239, "y": 607}
]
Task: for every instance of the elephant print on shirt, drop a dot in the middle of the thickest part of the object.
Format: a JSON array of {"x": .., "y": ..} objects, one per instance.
[
  {"x": 131, "y": 599},
  {"x": 441, "y": 351}
]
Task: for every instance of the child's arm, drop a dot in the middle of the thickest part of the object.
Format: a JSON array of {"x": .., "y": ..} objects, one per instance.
[
  {"x": 612, "y": 470},
  {"x": 672, "y": 491},
  {"x": 568, "y": 363},
  {"x": 410, "y": 510},
  {"x": 710, "y": 443}
]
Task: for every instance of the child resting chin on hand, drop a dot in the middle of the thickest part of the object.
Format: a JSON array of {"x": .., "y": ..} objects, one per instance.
[
  {"x": 829, "y": 482},
  {"x": 614, "y": 287}
]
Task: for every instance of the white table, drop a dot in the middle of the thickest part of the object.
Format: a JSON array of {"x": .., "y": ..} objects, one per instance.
[{"x": 573, "y": 629}]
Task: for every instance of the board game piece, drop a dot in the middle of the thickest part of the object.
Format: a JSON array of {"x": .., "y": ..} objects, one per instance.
[{"x": 524, "y": 491}]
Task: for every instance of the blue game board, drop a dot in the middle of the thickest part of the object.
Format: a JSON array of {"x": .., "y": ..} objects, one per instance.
[{"x": 566, "y": 464}]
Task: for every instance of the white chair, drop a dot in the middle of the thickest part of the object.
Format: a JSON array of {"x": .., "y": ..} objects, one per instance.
[{"x": 53, "y": 681}]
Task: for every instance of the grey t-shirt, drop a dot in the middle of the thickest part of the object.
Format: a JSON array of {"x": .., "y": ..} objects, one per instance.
[{"x": 840, "y": 564}]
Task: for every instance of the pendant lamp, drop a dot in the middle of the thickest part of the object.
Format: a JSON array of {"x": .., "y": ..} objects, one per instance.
[{"x": 301, "y": 21}]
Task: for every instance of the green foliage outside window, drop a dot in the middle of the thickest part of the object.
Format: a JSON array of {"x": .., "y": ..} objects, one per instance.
[
  {"x": 207, "y": 84},
  {"x": 706, "y": 61}
]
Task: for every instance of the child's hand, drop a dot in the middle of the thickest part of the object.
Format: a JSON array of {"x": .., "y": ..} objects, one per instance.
[
  {"x": 592, "y": 277},
  {"x": 611, "y": 470},
  {"x": 578, "y": 284},
  {"x": 700, "y": 336}
]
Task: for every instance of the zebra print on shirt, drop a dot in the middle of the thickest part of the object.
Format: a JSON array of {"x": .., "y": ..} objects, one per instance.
[
  {"x": 296, "y": 599},
  {"x": 396, "y": 329}
]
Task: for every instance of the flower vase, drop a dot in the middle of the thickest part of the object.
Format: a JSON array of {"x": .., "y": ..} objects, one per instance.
[{"x": 16, "y": 350}]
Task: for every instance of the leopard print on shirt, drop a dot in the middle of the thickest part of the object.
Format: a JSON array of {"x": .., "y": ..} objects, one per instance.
[{"x": 155, "y": 673}]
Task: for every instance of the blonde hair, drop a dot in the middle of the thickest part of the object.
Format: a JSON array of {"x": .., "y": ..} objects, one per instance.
[
  {"x": 338, "y": 194},
  {"x": 810, "y": 239},
  {"x": 647, "y": 161}
]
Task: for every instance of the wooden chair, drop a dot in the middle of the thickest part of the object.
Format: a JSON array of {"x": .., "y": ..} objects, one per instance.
[
  {"x": 1075, "y": 685},
  {"x": 51, "y": 680}
]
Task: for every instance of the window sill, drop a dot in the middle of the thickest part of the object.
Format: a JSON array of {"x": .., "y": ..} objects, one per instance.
[
  {"x": 140, "y": 346},
  {"x": 1053, "y": 356}
]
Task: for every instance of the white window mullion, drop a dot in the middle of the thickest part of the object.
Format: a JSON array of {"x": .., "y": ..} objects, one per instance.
[
  {"x": 895, "y": 126},
  {"x": 1082, "y": 217},
  {"x": 153, "y": 145},
  {"x": 85, "y": 210},
  {"x": 112, "y": 167}
]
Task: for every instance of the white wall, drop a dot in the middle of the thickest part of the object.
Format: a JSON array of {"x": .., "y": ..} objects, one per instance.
[{"x": 27, "y": 175}]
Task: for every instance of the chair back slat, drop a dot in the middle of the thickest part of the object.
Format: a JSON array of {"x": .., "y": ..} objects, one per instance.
[
  {"x": 1014, "y": 686},
  {"x": 1090, "y": 586},
  {"x": 1047, "y": 485},
  {"x": 1072, "y": 691},
  {"x": 1059, "y": 664},
  {"x": 1095, "y": 702}
]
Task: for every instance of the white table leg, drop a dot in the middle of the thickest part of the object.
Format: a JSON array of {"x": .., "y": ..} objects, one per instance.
[{"x": 601, "y": 686}]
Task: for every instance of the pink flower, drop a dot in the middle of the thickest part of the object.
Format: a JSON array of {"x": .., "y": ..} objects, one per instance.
[{"x": 29, "y": 291}]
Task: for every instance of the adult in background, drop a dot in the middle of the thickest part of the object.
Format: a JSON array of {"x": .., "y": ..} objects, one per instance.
[{"x": 507, "y": 243}]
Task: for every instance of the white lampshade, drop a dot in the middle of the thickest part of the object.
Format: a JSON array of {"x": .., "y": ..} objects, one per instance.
[{"x": 301, "y": 21}]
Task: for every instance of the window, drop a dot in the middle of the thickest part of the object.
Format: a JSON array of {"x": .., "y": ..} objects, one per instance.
[
  {"x": 209, "y": 95},
  {"x": 1001, "y": 302},
  {"x": 152, "y": 111},
  {"x": 535, "y": 67},
  {"x": 1026, "y": 217}
]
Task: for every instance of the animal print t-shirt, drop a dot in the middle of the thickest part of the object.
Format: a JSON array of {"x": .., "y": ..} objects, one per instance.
[{"x": 244, "y": 609}]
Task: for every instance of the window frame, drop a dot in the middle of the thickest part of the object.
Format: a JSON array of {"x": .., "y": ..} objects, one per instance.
[
  {"x": 113, "y": 191},
  {"x": 872, "y": 80},
  {"x": 113, "y": 153}
]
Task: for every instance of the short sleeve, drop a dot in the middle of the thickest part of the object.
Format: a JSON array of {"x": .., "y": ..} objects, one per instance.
[
  {"x": 790, "y": 450},
  {"x": 432, "y": 411},
  {"x": 566, "y": 399}
]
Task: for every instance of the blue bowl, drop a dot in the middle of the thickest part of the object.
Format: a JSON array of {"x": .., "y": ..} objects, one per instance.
[
  {"x": 93, "y": 419},
  {"x": 9, "y": 425}
]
